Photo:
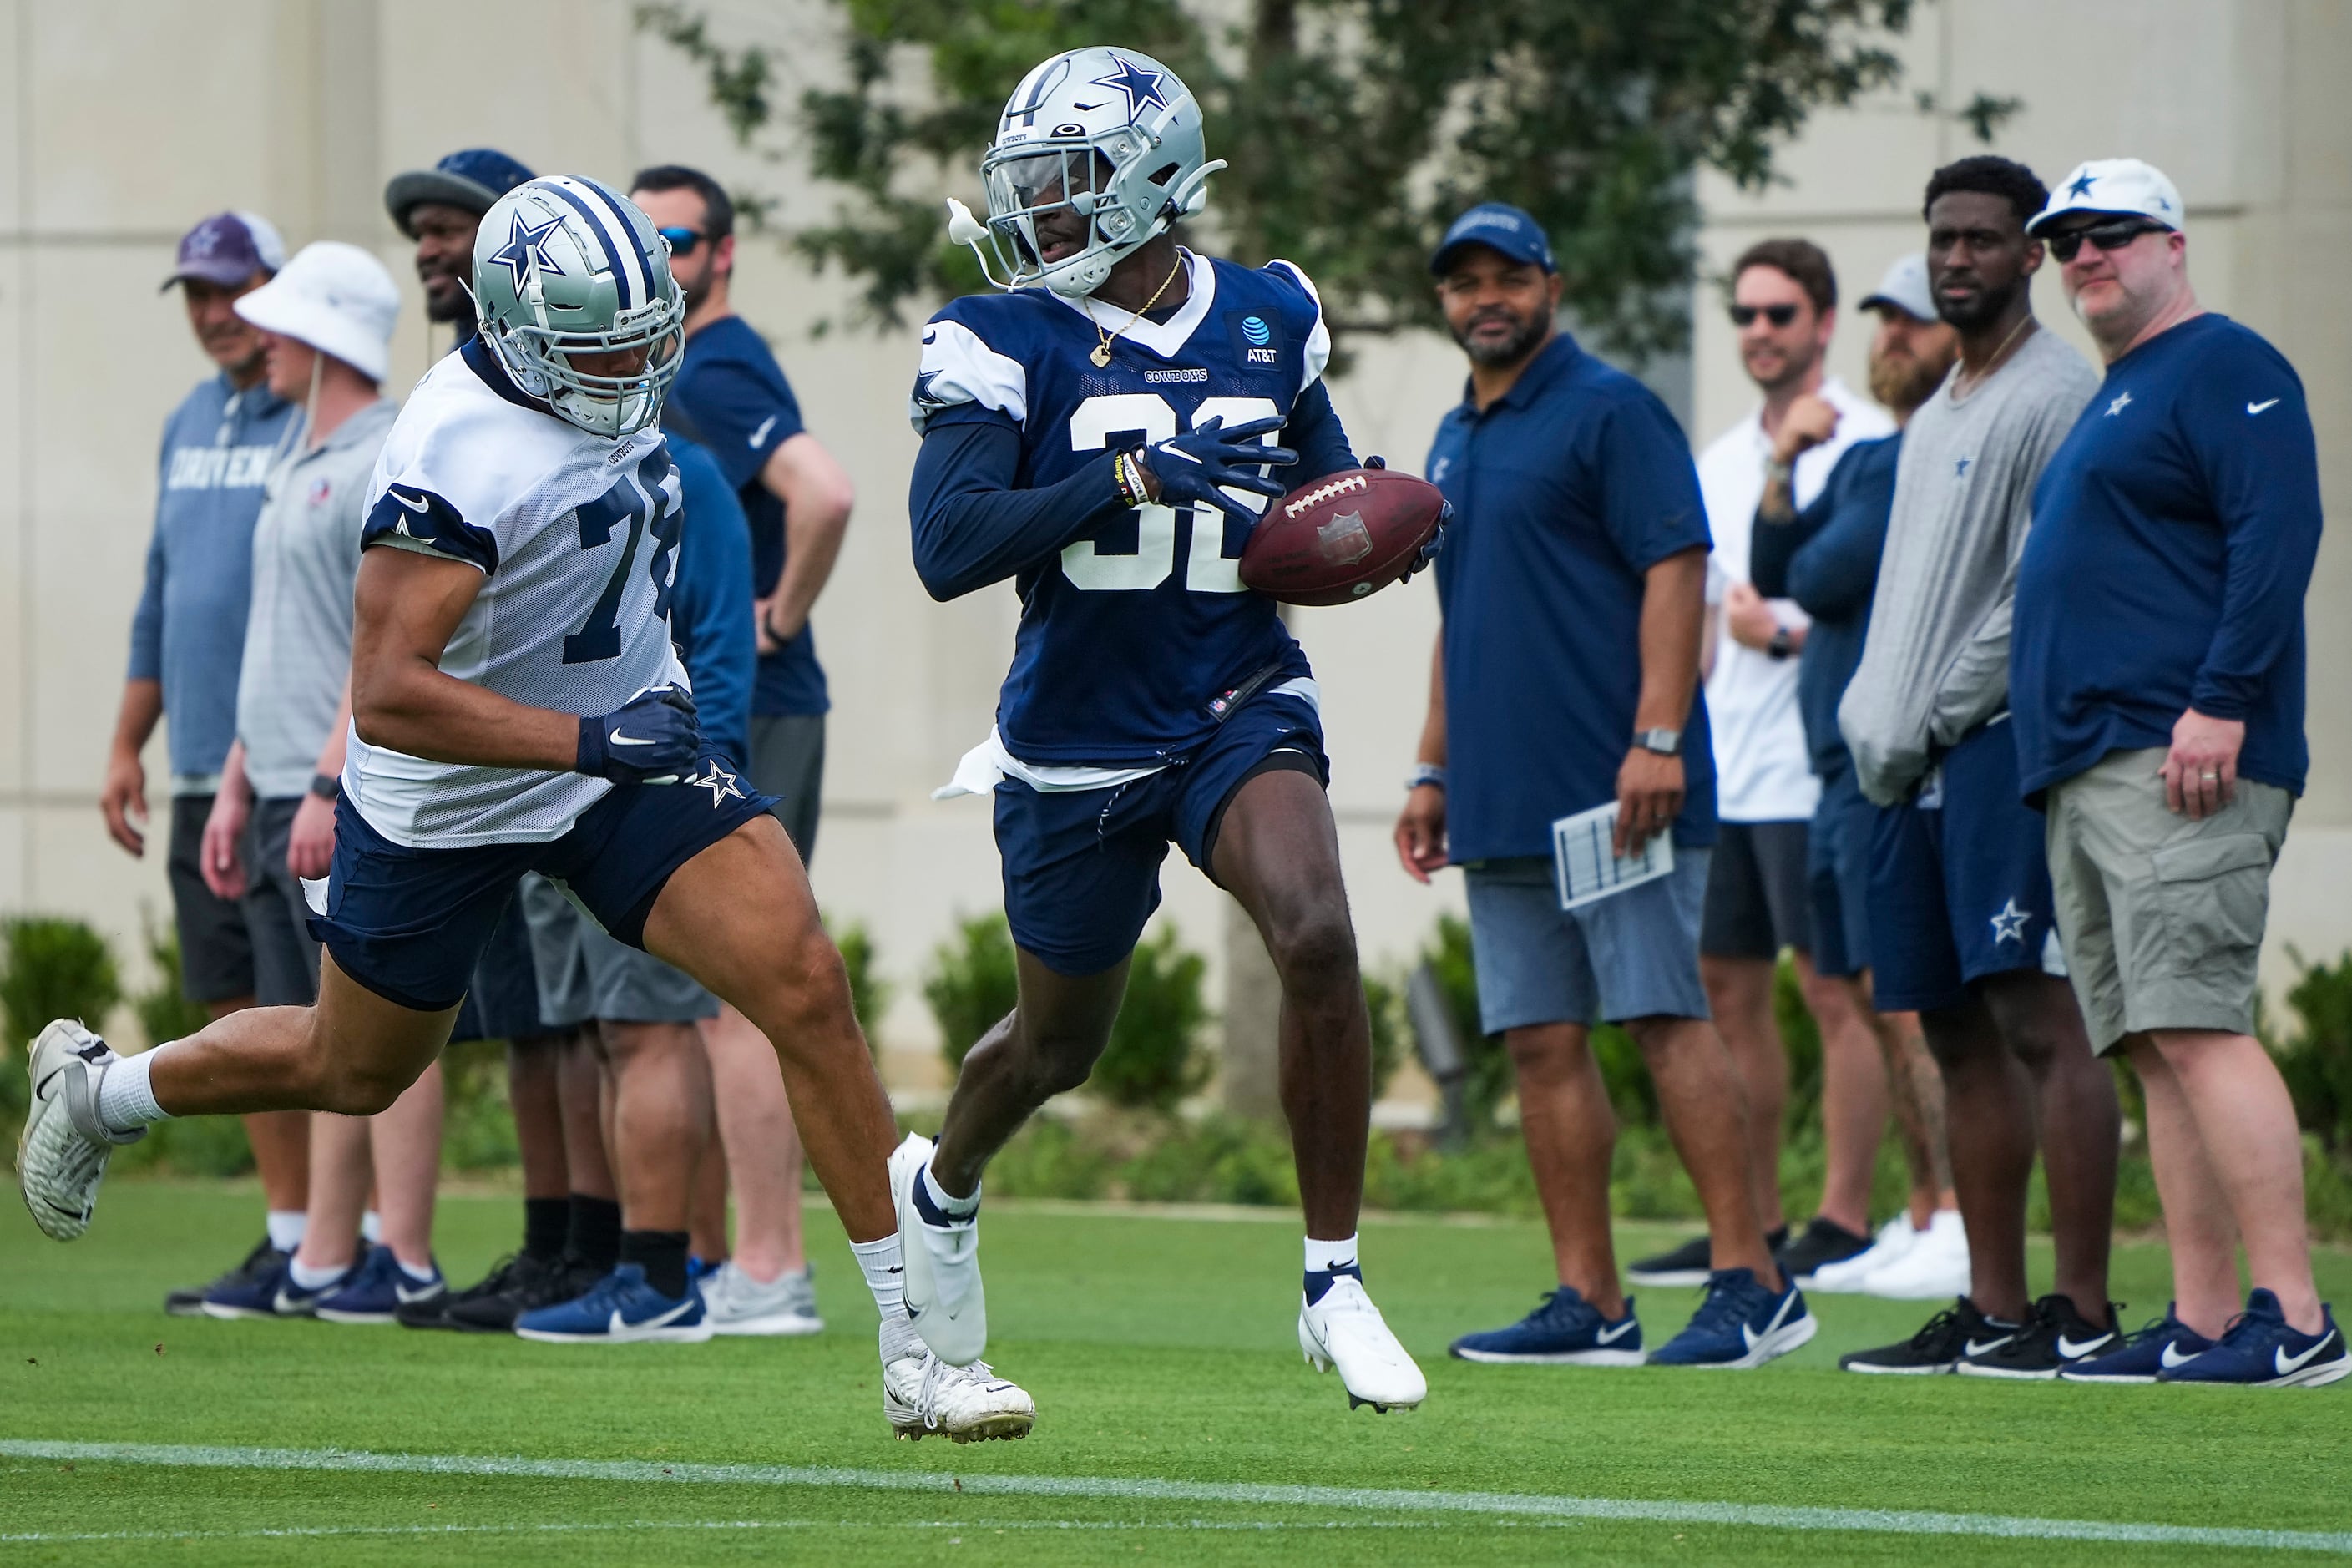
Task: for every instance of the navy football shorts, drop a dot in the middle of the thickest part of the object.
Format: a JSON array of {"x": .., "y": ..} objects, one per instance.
[
  {"x": 409, "y": 924},
  {"x": 1837, "y": 875},
  {"x": 1082, "y": 867},
  {"x": 1959, "y": 881}
]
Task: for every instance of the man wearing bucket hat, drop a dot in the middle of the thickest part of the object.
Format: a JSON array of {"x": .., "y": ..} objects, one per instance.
[
  {"x": 326, "y": 326},
  {"x": 186, "y": 640},
  {"x": 2156, "y": 675}
]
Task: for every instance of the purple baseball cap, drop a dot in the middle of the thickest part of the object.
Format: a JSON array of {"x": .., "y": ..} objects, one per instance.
[{"x": 227, "y": 248}]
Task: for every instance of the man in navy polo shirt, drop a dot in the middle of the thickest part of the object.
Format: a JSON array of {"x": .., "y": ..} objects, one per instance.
[
  {"x": 2157, "y": 676},
  {"x": 1565, "y": 678},
  {"x": 731, "y": 396}
]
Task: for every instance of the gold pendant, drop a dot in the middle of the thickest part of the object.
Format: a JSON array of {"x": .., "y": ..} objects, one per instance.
[{"x": 1101, "y": 356}]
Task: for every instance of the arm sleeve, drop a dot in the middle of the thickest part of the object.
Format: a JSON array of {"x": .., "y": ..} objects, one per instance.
[
  {"x": 710, "y": 607},
  {"x": 1315, "y": 433},
  {"x": 2262, "y": 476},
  {"x": 1834, "y": 571},
  {"x": 147, "y": 620},
  {"x": 971, "y": 527}
]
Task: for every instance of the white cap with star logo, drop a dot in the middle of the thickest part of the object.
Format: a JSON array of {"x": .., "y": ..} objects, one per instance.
[{"x": 2114, "y": 185}]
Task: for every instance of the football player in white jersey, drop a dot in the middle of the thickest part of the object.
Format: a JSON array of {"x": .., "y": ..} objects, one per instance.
[{"x": 517, "y": 706}]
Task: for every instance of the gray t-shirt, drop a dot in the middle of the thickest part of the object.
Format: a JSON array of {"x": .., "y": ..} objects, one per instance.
[
  {"x": 297, "y": 636},
  {"x": 1936, "y": 665}
]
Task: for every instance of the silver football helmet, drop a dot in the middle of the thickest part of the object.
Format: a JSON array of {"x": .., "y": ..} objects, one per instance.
[
  {"x": 1109, "y": 134},
  {"x": 566, "y": 268}
]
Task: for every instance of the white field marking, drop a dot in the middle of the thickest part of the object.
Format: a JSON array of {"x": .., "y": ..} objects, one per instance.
[
  {"x": 1759, "y": 1516},
  {"x": 616, "y": 1526}
]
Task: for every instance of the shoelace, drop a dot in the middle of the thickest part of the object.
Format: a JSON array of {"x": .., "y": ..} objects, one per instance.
[
  {"x": 496, "y": 1282},
  {"x": 1725, "y": 1304},
  {"x": 1943, "y": 1325},
  {"x": 938, "y": 1375}
]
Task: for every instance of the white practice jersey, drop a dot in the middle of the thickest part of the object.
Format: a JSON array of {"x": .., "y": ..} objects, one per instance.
[{"x": 577, "y": 537}]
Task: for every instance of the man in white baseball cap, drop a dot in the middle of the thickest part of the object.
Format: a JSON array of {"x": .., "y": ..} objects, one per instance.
[
  {"x": 2114, "y": 188},
  {"x": 326, "y": 323}
]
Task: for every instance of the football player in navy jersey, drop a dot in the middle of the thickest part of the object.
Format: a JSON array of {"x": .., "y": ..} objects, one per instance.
[
  {"x": 517, "y": 705},
  {"x": 1102, "y": 433}
]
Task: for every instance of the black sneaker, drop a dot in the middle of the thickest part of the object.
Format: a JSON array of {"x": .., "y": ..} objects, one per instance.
[
  {"x": 520, "y": 1284},
  {"x": 189, "y": 1300},
  {"x": 1825, "y": 1242},
  {"x": 2054, "y": 1334},
  {"x": 1689, "y": 1265},
  {"x": 1941, "y": 1343}
]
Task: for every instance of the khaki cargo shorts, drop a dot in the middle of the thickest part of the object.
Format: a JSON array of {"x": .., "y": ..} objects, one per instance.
[{"x": 2161, "y": 916}]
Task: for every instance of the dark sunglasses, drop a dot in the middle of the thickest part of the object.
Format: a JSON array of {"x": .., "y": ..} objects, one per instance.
[
  {"x": 682, "y": 241},
  {"x": 2065, "y": 244},
  {"x": 1779, "y": 315}
]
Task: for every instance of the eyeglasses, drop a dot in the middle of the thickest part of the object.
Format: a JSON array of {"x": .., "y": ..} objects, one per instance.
[
  {"x": 2065, "y": 244},
  {"x": 1779, "y": 315},
  {"x": 682, "y": 241}
]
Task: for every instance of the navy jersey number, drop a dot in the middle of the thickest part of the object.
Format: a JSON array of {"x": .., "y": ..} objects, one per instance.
[
  {"x": 600, "y": 638},
  {"x": 1208, "y": 568}
]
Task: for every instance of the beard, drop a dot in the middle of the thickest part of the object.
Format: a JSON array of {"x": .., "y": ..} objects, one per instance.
[
  {"x": 1905, "y": 382},
  {"x": 1987, "y": 307},
  {"x": 1524, "y": 337}
]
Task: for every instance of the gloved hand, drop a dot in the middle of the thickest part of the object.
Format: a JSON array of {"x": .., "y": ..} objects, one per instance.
[
  {"x": 1191, "y": 467},
  {"x": 1436, "y": 542},
  {"x": 652, "y": 738}
]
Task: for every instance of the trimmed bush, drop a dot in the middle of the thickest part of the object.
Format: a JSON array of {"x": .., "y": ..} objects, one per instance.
[
  {"x": 1153, "y": 1059},
  {"x": 972, "y": 983},
  {"x": 50, "y": 967}
]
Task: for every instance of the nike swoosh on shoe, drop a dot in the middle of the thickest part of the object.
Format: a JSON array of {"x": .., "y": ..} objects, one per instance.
[
  {"x": 1610, "y": 1336},
  {"x": 2286, "y": 1363},
  {"x": 2068, "y": 1350},
  {"x": 2172, "y": 1357},
  {"x": 1989, "y": 1346}
]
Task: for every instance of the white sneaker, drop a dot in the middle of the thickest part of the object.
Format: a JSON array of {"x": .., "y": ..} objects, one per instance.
[
  {"x": 944, "y": 1299},
  {"x": 1934, "y": 1270},
  {"x": 1346, "y": 1330},
  {"x": 922, "y": 1394},
  {"x": 738, "y": 1304},
  {"x": 62, "y": 1152},
  {"x": 1895, "y": 1238}
]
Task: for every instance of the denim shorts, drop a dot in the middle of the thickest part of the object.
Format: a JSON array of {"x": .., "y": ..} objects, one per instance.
[{"x": 1633, "y": 955}]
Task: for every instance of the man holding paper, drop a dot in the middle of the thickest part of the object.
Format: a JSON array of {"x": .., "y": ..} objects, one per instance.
[{"x": 1566, "y": 766}]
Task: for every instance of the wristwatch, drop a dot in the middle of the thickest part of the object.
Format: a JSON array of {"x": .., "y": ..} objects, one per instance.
[
  {"x": 1425, "y": 774},
  {"x": 1781, "y": 646},
  {"x": 326, "y": 787},
  {"x": 1665, "y": 742}
]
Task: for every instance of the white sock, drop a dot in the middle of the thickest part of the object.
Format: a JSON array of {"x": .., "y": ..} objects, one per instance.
[
  {"x": 883, "y": 1264},
  {"x": 955, "y": 1208},
  {"x": 311, "y": 1279},
  {"x": 1323, "y": 1257},
  {"x": 126, "y": 1101},
  {"x": 372, "y": 1227},
  {"x": 286, "y": 1228},
  {"x": 423, "y": 1276}
]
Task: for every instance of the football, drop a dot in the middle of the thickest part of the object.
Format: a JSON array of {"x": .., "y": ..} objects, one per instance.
[{"x": 1342, "y": 537}]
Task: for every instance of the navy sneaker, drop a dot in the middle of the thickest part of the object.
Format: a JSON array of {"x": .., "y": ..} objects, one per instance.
[
  {"x": 378, "y": 1290},
  {"x": 188, "y": 1300},
  {"x": 1566, "y": 1330},
  {"x": 270, "y": 1292},
  {"x": 622, "y": 1310},
  {"x": 1740, "y": 1324},
  {"x": 2156, "y": 1347},
  {"x": 2262, "y": 1350}
]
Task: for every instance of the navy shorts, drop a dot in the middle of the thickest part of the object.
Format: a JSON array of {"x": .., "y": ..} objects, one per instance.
[
  {"x": 1082, "y": 867},
  {"x": 1959, "y": 881},
  {"x": 502, "y": 1000},
  {"x": 1837, "y": 875},
  {"x": 410, "y": 924}
]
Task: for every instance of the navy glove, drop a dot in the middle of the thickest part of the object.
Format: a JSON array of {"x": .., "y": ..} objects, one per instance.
[
  {"x": 652, "y": 738},
  {"x": 1191, "y": 467},
  {"x": 1436, "y": 542}
]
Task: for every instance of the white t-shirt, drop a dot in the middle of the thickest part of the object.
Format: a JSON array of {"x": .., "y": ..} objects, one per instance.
[{"x": 1762, "y": 770}]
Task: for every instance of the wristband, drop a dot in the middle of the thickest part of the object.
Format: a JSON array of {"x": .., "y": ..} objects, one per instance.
[
  {"x": 326, "y": 787},
  {"x": 1425, "y": 774},
  {"x": 1775, "y": 470},
  {"x": 1781, "y": 646},
  {"x": 1127, "y": 468}
]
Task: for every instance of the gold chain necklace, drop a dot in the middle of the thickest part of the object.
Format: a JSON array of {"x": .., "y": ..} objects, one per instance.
[
  {"x": 1964, "y": 384},
  {"x": 1101, "y": 355}
]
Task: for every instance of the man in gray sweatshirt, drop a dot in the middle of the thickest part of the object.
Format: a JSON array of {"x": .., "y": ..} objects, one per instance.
[{"x": 1963, "y": 927}]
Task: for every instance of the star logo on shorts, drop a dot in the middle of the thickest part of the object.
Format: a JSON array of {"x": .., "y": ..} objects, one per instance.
[
  {"x": 719, "y": 782},
  {"x": 2010, "y": 924}
]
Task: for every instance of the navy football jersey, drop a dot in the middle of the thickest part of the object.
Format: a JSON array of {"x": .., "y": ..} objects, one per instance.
[{"x": 1127, "y": 638}]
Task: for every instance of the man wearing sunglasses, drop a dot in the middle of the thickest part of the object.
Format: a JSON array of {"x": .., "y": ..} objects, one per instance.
[
  {"x": 1784, "y": 310},
  {"x": 1960, "y": 899},
  {"x": 731, "y": 395},
  {"x": 2157, "y": 675}
]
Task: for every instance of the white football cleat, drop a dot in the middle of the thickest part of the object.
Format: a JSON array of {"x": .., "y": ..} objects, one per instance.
[
  {"x": 944, "y": 1299},
  {"x": 922, "y": 1394},
  {"x": 1346, "y": 1330},
  {"x": 62, "y": 1152}
]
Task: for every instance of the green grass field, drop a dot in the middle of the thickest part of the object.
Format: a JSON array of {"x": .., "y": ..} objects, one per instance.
[{"x": 1172, "y": 1400}]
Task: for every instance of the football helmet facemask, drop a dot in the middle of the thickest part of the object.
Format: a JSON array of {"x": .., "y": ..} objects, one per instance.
[
  {"x": 568, "y": 277},
  {"x": 1101, "y": 147}
]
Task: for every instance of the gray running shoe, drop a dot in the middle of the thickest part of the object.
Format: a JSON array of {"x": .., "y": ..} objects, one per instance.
[{"x": 738, "y": 1304}]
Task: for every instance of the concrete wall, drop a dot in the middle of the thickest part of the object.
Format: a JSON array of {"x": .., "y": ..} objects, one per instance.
[{"x": 122, "y": 121}]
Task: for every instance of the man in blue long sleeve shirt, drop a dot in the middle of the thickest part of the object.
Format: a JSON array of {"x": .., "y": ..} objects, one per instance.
[
  {"x": 2156, "y": 673},
  {"x": 186, "y": 640},
  {"x": 1825, "y": 557}
]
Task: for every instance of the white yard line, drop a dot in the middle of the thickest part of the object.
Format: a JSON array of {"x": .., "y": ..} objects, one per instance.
[{"x": 1501, "y": 1506}]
